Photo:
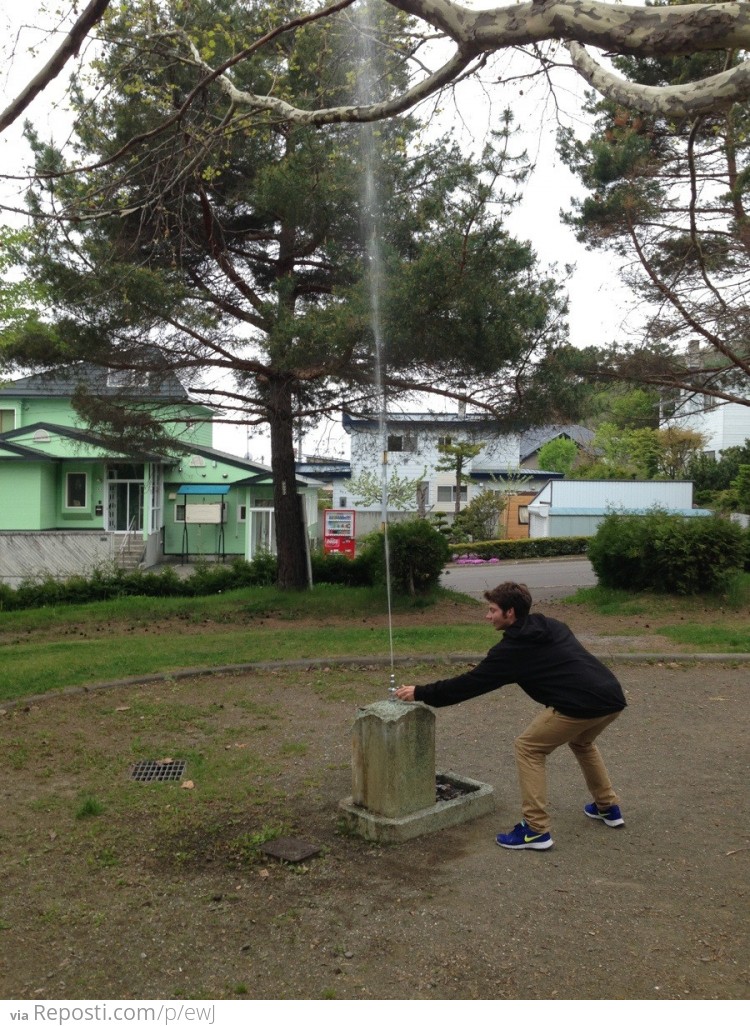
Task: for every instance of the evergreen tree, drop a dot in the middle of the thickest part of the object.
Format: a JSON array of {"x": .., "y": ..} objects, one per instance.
[
  {"x": 671, "y": 195},
  {"x": 455, "y": 457},
  {"x": 229, "y": 244}
]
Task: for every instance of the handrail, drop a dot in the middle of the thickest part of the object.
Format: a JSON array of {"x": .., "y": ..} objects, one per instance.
[{"x": 129, "y": 535}]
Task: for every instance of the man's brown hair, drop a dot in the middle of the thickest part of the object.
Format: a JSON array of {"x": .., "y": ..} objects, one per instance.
[{"x": 510, "y": 595}]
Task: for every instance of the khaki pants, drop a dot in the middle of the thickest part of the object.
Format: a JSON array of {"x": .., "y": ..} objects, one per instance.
[{"x": 548, "y": 731}]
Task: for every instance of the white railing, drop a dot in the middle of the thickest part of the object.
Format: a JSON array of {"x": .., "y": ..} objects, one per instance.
[{"x": 132, "y": 531}]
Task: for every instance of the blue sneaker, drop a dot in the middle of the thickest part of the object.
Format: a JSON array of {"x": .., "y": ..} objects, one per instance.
[
  {"x": 522, "y": 837},
  {"x": 611, "y": 816}
]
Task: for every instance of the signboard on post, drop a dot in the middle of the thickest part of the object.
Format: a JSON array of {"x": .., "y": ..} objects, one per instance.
[
  {"x": 205, "y": 513},
  {"x": 338, "y": 532}
]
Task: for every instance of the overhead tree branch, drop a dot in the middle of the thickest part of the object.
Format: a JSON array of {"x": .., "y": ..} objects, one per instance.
[{"x": 67, "y": 49}]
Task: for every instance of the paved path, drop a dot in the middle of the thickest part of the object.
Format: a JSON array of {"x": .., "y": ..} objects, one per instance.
[{"x": 546, "y": 578}]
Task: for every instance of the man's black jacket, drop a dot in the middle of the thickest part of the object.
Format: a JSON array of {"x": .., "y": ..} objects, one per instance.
[{"x": 545, "y": 658}]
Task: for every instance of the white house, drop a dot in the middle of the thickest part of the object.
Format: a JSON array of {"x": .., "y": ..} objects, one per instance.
[
  {"x": 721, "y": 424},
  {"x": 412, "y": 441},
  {"x": 412, "y": 451},
  {"x": 568, "y": 509}
]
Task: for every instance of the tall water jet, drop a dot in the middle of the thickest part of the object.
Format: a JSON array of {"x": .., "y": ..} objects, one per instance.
[
  {"x": 372, "y": 216},
  {"x": 394, "y": 783}
]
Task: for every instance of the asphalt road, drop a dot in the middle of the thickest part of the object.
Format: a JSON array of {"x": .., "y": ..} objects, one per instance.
[{"x": 546, "y": 578}]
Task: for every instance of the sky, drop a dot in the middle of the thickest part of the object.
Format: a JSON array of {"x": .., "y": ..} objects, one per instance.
[{"x": 601, "y": 309}]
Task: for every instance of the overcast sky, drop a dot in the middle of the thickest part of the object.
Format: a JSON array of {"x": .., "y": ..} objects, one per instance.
[{"x": 599, "y": 305}]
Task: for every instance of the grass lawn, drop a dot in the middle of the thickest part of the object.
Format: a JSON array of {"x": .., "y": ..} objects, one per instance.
[{"x": 63, "y": 646}]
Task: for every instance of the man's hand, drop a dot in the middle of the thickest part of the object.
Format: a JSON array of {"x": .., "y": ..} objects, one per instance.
[{"x": 406, "y": 693}]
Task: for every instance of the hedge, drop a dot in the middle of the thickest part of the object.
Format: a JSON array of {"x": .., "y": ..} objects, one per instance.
[
  {"x": 112, "y": 583},
  {"x": 521, "y": 548},
  {"x": 666, "y": 552}
]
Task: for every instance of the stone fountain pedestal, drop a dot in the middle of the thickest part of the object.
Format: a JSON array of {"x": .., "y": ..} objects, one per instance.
[{"x": 394, "y": 778}]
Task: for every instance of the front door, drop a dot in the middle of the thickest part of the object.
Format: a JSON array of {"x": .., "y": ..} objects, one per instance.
[
  {"x": 125, "y": 498},
  {"x": 261, "y": 531}
]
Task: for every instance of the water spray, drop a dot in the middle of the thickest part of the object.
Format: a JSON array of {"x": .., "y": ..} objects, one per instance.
[{"x": 372, "y": 211}]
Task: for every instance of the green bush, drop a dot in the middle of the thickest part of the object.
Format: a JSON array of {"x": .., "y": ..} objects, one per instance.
[
  {"x": 337, "y": 569},
  {"x": 666, "y": 552},
  {"x": 745, "y": 551},
  {"x": 418, "y": 554}
]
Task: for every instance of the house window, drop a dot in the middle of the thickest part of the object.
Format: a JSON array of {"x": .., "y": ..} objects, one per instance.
[
  {"x": 241, "y": 514},
  {"x": 75, "y": 491},
  {"x": 444, "y": 440},
  {"x": 523, "y": 514},
  {"x": 342, "y": 501},
  {"x": 447, "y": 493},
  {"x": 7, "y": 420},
  {"x": 179, "y": 513},
  {"x": 402, "y": 443}
]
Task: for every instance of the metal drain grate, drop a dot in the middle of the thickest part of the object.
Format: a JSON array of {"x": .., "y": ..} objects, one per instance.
[
  {"x": 158, "y": 769},
  {"x": 289, "y": 849}
]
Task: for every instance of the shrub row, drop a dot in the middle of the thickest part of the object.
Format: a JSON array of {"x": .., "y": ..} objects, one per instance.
[
  {"x": 655, "y": 552},
  {"x": 522, "y": 548},
  {"x": 418, "y": 554},
  {"x": 110, "y": 583},
  {"x": 665, "y": 552}
]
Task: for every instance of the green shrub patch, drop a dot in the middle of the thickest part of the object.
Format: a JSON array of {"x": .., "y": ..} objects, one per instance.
[{"x": 665, "y": 552}]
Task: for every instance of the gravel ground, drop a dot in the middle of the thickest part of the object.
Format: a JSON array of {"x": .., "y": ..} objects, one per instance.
[{"x": 158, "y": 890}]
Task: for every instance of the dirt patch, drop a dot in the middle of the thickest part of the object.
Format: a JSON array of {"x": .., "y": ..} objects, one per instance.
[{"x": 123, "y": 890}]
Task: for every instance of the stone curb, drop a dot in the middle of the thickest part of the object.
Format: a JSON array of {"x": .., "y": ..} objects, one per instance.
[{"x": 304, "y": 664}]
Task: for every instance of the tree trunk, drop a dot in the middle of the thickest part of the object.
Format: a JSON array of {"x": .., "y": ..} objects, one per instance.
[{"x": 288, "y": 515}]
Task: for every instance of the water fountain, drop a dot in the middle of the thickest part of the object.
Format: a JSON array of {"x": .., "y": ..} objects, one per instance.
[{"x": 396, "y": 793}]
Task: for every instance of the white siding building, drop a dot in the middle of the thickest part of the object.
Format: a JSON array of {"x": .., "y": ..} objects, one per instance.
[
  {"x": 413, "y": 454},
  {"x": 721, "y": 424},
  {"x": 566, "y": 509}
]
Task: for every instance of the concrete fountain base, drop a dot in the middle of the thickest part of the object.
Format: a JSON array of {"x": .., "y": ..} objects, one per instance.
[
  {"x": 394, "y": 780},
  {"x": 475, "y": 800}
]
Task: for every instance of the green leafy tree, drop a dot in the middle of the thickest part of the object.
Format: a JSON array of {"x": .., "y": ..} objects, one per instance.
[
  {"x": 208, "y": 239},
  {"x": 677, "y": 447},
  {"x": 18, "y": 295},
  {"x": 635, "y": 408},
  {"x": 645, "y": 448},
  {"x": 742, "y": 488},
  {"x": 712, "y": 475},
  {"x": 559, "y": 455},
  {"x": 644, "y": 453},
  {"x": 480, "y": 520},
  {"x": 401, "y": 492},
  {"x": 456, "y": 457}
]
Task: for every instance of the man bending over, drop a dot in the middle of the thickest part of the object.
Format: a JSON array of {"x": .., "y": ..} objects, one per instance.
[{"x": 580, "y": 695}]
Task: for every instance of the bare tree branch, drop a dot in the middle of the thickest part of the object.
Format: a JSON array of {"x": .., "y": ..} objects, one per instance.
[{"x": 67, "y": 49}]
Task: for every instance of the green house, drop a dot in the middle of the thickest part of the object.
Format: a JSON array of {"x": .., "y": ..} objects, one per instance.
[{"x": 71, "y": 501}]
